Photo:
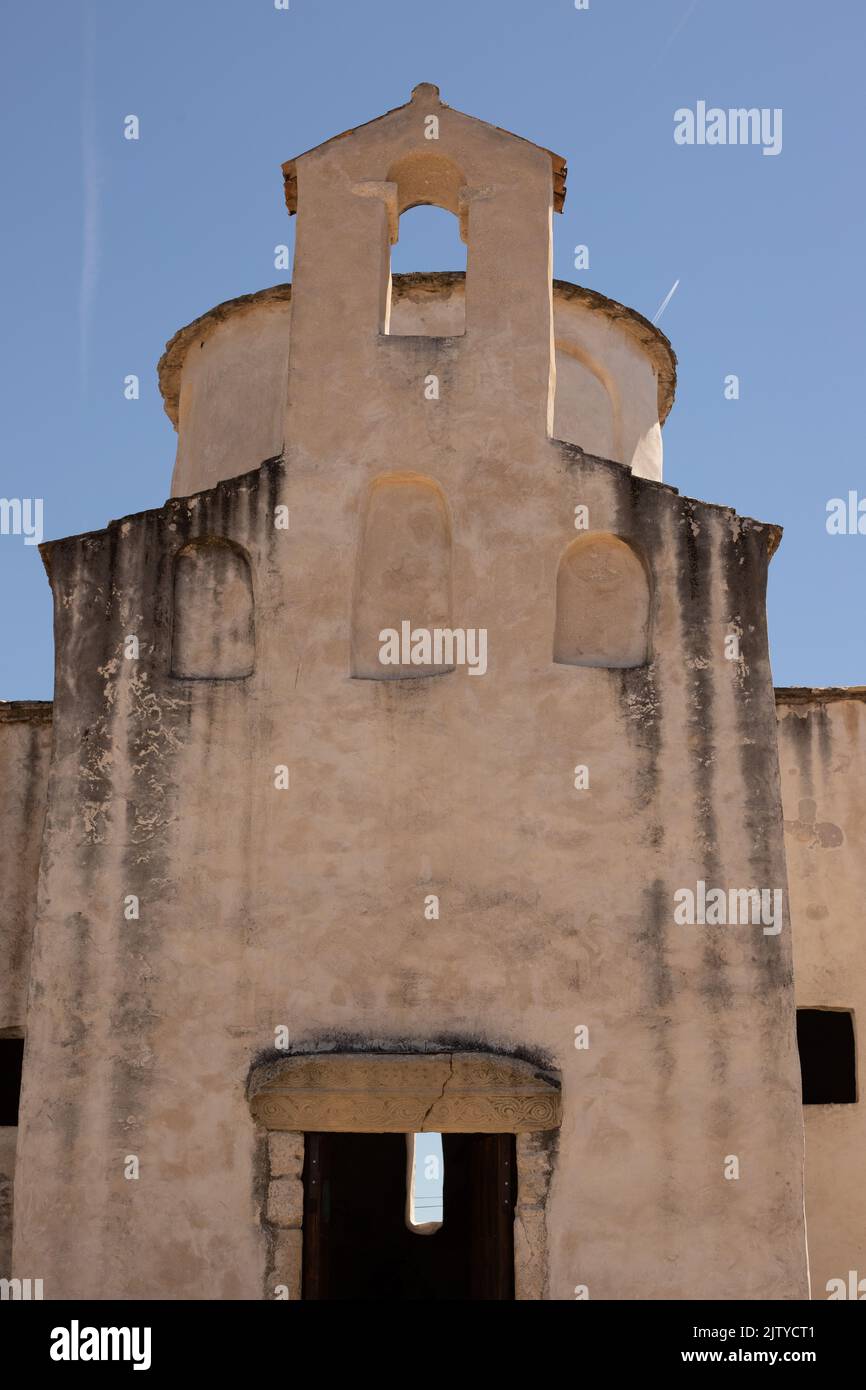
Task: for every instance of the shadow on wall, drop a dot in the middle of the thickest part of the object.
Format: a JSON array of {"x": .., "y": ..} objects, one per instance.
[{"x": 586, "y": 404}]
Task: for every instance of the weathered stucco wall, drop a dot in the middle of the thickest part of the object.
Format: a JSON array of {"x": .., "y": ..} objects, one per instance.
[
  {"x": 225, "y": 376},
  {"x": 305, "y": 908},
  {"x": 25, "y": 749},
  {"x": 226, "y": 858},
  {"x": 822, "y": 753}
]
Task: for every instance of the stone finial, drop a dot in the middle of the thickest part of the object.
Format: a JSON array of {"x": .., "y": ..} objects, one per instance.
[{"x": 425, "y": 91}]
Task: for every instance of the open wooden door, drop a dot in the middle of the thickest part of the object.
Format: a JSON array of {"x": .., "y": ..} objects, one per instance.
[
  {"x": 356, "y": 1241},
  {"x": 493, "y": 1194}
]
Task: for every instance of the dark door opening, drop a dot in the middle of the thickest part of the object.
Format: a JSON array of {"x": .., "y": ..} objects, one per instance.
[{"x": 357, "y": 1244}]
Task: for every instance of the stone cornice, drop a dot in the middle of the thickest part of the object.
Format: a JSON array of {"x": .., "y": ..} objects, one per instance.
[
  {"x": 25, "y": 711},
  {"x": 650, "y": 339},
  {"x": 818, "y": 695}
]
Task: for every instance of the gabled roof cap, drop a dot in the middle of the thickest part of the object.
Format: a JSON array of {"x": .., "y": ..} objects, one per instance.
[{"x": 423, "y": 94}]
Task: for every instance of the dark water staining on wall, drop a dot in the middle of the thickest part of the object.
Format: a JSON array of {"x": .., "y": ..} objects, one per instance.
[
  {"x": 803, "y": 728},
  {"x": 795, "y": 737},
  {"x": 825, "y": 737},
  {"x": 639, "y": 509},
  {"x": 652, "y": 937},
  {"x": 809, "y": 831},
  {"x": 746, "y": 563},
  {"x": 639, "y": 699},
  {"x": 273, "y": 474},
  {"x": 694, "y": 582},
  {"x": 697, "y": 529}
]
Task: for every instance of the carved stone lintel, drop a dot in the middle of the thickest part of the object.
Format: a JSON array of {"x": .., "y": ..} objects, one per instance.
[{"x": 359, "y": 1093}]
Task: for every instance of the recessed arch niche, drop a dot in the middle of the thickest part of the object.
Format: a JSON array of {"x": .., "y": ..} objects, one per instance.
[
  {"x": 213, "y": 621},
  {"x": 602, "y": 604},
  {"x": 403, "y": 572}
]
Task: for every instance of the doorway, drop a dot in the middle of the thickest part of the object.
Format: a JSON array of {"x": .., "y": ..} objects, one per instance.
[{"x": 357, "y": 1243}]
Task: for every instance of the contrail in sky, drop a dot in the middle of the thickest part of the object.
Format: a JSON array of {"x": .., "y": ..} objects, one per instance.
[
  {"x": 689, "y": 12},
  {"x": 666, "y": 301}
]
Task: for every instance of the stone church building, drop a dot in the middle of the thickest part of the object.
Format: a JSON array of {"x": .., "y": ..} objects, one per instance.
[{"x": 417, "y": 768}]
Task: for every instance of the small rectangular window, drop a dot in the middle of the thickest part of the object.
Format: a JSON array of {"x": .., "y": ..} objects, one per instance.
[
  {"x": 11, "y": 1057},
  {"x": 825, "y": 1038}
]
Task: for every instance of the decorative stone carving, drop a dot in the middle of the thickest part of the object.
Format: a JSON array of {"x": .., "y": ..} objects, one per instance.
[{"x": 358, "y": 1093}]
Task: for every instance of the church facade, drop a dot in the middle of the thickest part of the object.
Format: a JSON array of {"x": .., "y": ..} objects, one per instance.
[{"x": 417, "y": 767}]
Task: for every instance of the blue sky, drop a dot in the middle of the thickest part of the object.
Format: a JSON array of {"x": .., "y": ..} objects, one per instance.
[{"x": 109, "y": 245}]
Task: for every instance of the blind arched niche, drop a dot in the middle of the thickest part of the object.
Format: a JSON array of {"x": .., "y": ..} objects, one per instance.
[
  {"x": 213, "y": 624},
  {"x": 602, "y": 604},
  {"x": 403, "y": 574}
]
